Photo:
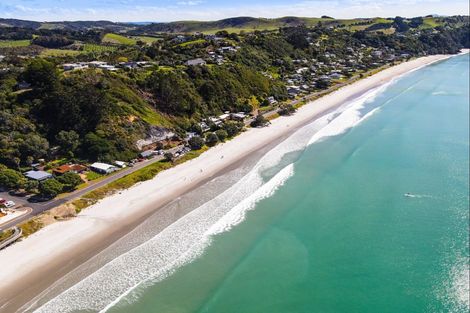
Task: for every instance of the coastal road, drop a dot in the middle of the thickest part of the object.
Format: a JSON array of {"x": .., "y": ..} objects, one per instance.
[{"x": 40, "y": 207}]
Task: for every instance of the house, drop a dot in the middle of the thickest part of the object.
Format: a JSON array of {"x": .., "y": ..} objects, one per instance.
[
  {"x": 108, "y": 67},
  {"x": 129, "y": 65},
  {"x": 204, "y": 126},
  {"x": 147, "y": 154},
  {"x": 224, "y": 116},
  {"x": 38, "y": 175},
  {"x": 195, "y": 62},
  {"x": 96, "y": 63},
  {"x": 240, "y": 116},
  {"x": 103, "y": 168},
  {"x": 74, "y": 66},
  {"x": 66, "y": 168},
  {"x": 272, "y": 100},
  {"x": 293, "y": 90},
  {"x": 189, "y": 135},
  {"x": 155, "y": 135}
]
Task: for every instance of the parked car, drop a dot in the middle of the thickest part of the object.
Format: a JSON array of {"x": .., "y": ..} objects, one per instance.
[{"x": 9, "y": 204}]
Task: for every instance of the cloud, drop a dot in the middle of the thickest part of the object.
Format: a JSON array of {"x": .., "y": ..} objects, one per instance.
[
  {"x": 200, "y": 10},
  {"x": 189, "y": 3}
]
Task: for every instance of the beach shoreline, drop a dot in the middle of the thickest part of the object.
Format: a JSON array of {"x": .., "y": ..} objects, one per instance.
[{"x": 32, "y": 265}]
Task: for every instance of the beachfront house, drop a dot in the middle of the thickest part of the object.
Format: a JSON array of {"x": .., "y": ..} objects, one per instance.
[
  {"x": 38, "y": 175},
  {"x": 102, "y": 168},
  {"x": 147, "y": 154},
  {"x": 66, "y": 168}
]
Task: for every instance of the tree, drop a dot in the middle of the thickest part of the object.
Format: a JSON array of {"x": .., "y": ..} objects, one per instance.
[
  {"x": 96, "y": 147},
  {"x": 211, "y": 139},
  {"x": 34, "y": 146},
  {"x": 41, "y": 74},
  {"x": 12, "y": 179},
  {"x": 231, "y": 128},
  {"x": 31, "y": 186},
  {"x": 196, "y": 142},
  {"x": 168, "y": 156},
  {"x": 259, "y": 121},
  {"x": 50, "y": 188},
  {"x": 68, "y": 141},
  {"x": 70, "y": 180},
  {"x": 221, "y": 134}
]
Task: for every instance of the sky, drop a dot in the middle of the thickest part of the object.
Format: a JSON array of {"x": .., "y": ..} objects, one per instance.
[{"x": 167, "y": 10}]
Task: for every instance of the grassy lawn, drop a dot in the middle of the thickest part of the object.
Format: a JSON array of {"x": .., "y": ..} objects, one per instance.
[
  {"x": 118, "y": 39},
  {"x": 92, "y": 175},
  {"x": 14, "y": 43}
]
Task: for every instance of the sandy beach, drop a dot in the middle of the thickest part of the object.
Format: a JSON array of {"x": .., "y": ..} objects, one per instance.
[{"x": 30, "y": 266}]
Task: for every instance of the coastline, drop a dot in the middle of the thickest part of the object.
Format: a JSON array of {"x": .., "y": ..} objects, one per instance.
[{"x": 31, "y": 265}]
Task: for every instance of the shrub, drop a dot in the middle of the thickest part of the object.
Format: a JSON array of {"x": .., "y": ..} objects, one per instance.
[
  {"x": 259, "y": 121},
  {"x": 212, "y": 139},
  {"x": 221, "y": 134},
  {"x": 51, "y": 188}
]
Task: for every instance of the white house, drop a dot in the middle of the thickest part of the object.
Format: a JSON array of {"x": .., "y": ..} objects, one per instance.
[{"x": 103, "y": 168}]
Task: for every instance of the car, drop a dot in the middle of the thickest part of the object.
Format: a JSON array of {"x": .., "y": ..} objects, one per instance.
[
  {"x": 2, "y": 201},
  {"x": 9, "y": 204}
]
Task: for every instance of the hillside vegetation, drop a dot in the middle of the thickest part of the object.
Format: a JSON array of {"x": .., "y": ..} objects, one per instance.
[{"x": 88, "y": 94}]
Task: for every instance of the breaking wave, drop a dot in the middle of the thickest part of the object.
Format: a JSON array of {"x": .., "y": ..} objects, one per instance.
[{"x": 187, "y": 238}]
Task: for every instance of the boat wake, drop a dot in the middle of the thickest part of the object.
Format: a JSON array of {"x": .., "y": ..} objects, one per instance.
[{"x": 411, "y": 195}]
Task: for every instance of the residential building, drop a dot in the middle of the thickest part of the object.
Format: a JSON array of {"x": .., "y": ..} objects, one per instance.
[
  {"x": 38, "y": 175},
  {"x": 103, "y": 168},
  {"x": 196, "y": 62}
]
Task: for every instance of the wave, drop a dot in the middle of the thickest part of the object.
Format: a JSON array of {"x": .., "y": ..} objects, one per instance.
[{"x": 187, "y": 238}]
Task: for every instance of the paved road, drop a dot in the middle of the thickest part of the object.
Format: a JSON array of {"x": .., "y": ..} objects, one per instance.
[{"x": 40, "y": 207}]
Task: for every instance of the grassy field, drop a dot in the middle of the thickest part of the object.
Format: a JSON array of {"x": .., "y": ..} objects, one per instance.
[
  {"x": 191, "y": 43},
  {"x": 14, "y": 43},
  {"x": 118, "y": 39},
  {"x": 94, "y": 48},
  {"x": 59, "y": 53},
  {"x": 146, "y": 39}
]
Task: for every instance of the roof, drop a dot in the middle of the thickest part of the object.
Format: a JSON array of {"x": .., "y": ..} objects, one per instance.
[
  {"x": 197, "y": 61},
  {"x": 78, "y": 167},
  {"x": 38, "y": 175},
  {"x": 147, "y": 153},
  {"x": 102, "y": 166},
  {"x": 63, "y": 169}
]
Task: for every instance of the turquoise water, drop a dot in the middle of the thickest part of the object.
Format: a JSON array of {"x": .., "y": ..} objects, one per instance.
[
  {"x": 340, "y": 235},
  {"x": 372, "y": 219}
]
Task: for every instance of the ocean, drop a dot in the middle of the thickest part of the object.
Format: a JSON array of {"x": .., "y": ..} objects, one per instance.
[{"x": 364, "y": 210}]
